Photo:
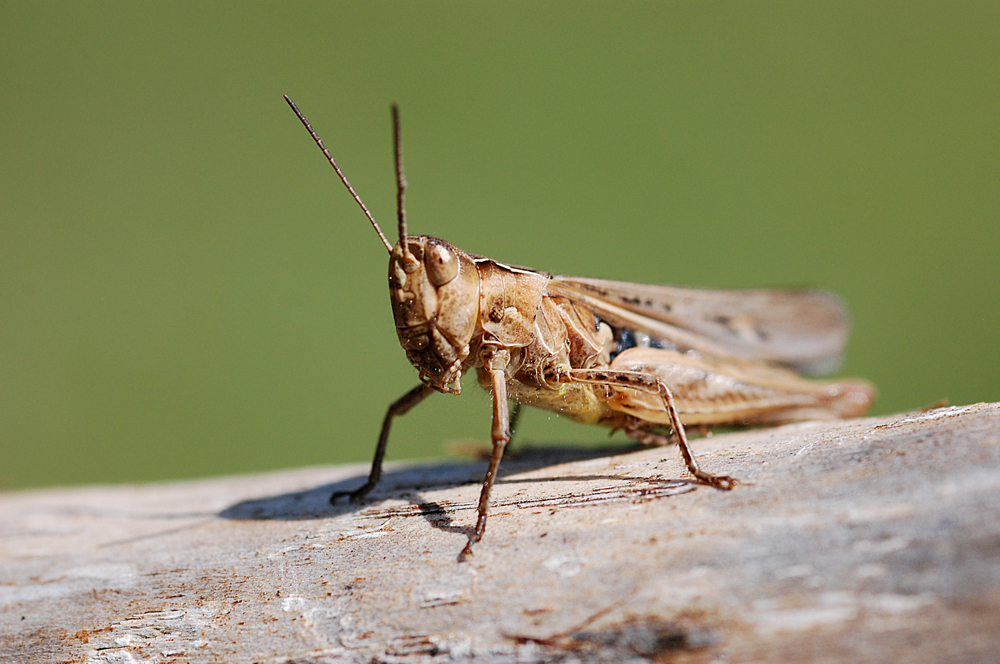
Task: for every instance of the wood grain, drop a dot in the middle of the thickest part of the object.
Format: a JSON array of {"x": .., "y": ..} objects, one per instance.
[{"x": 872, "y": 540}]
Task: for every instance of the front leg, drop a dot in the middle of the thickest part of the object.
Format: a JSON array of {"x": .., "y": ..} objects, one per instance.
[
  {"x": 496, "y": 365},
  {"x": 649, "y": 383},
  {"x": 401, "y": 406}
]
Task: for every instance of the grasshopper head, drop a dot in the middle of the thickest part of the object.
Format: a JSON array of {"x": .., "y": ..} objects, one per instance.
[
  {"x": 434, "y": 288},
  {"x": 433, "y": 285}
]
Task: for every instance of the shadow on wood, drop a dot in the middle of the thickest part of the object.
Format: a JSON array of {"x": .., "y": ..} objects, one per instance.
[{"x": 409, "y": 481}]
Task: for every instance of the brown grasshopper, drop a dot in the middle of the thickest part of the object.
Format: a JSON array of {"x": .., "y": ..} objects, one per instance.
[{"x": 629, "y": 356}]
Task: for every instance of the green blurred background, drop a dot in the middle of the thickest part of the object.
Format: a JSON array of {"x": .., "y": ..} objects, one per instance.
[{"x": 185, "y": 288}]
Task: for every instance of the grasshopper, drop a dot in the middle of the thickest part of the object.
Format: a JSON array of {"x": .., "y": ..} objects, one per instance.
[{"x": 635, "y": 357}]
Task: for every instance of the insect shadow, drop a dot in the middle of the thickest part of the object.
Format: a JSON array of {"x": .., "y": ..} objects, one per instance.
[{"x": 409, "y": 483}]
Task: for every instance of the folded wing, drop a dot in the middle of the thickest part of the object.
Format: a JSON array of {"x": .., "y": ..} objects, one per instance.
[{"x": 804, "y": 330}]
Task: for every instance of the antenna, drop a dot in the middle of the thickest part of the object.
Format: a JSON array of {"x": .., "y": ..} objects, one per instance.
[
  {"x": 397, "y": 140},
  {"x": 343, "y": 178}
]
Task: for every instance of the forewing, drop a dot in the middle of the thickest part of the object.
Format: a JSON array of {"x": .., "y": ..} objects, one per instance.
[
  {"x": 732, "y": 392},
  {"x": 802, "y": 329}
]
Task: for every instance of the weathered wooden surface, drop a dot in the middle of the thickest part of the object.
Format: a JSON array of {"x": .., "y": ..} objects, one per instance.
[{"x": 873, "y": 540}]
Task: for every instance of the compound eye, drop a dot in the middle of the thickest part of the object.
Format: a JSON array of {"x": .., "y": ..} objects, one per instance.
[{"x": 442, "y": 264}]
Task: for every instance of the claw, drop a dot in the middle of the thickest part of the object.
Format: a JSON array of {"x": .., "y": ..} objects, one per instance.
[
  {"x": 724, "y": 482},
  {"x": 355, "y": 496}
]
